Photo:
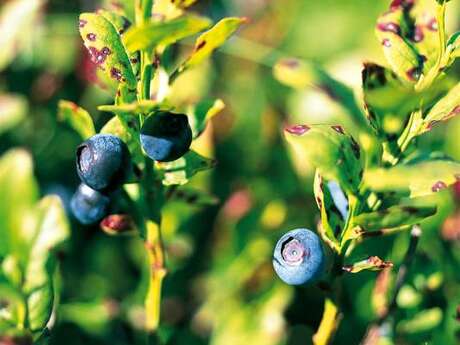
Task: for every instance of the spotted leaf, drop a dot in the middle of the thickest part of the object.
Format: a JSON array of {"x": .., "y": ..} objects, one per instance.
[
  {"x": 372, "y": 263},
  {"x": 445, "y": 109},
  {"x": 77, "y": 118},
  {"x": 416, "y": 179},
  {"x": 211, "y": 40},
  {"x": 122, "y": 24},
  {"x": 335, "y": 154},
  {"x": 107, "y": 51},
  {"x": 394, "y": 217},
  {"x": 400, "y": 52},
  {"x": 156, "y": 33},
  {"x": 388, "y": 101}
]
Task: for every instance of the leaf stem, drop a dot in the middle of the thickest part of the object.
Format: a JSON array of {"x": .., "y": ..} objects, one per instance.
[{"x": 329, "y": 323}]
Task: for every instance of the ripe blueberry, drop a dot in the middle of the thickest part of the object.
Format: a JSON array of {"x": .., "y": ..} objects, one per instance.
[
  {"x": 166, "y": 136},
  {"x": 88, "y": 205},
  {"x": 298, "y": 257},
  {"x": 103, "y": 162}
]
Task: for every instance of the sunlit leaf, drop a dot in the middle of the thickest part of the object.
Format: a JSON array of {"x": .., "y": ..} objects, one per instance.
[
  {"x": 417, "y": 179},
  {"x": 335, "y": 154},
  {"x": 53, "y": 229},
  {"x": 301, "y": 74},
  {"x": 202, "y": 113},
  {"x": 17, "y": 19},
  {"x": 154, "y": 33},
  {"x": 168, "y": 9},
  {"x": 181, "y": 170},
  {"x": 13, "y": 109},
  {"x": 211, "y": 40},
  {"x": 19, "y": 193},
  {"x": 445, "y": 109},
  {"x": 77, "y": 118}
]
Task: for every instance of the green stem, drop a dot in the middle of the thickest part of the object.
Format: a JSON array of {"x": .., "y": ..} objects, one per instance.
[
  {"x": 151, "y": 200},
  {"x": 329, "y": 323}
]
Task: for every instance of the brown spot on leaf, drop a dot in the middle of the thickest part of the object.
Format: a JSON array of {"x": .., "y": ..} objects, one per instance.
[
  {"x": 91, "y": 36},
  {"x": 438, "y": 186},
  {"x": 115, "y": 73},
  {"x": 338, "y": 129},
  {"x": 413, "y": 74},
  {"x": 389, "y": 27},
  {"x": 297, "y": 129},
  {"x": 432, "y": 25},
  {"x": 355, "y": 147},
  {"x": 386, "y": 43},
  {"x": 97, "y": 56},
  {"x": 200, "y": 45},
  {"x": 418, "y": 34},
  {"x": 82, "y": 23}
]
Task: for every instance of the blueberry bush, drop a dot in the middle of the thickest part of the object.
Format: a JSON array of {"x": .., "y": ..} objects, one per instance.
[{"x": 130, "y": 213}]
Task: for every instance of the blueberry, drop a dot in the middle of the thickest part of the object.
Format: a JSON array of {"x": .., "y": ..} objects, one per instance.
[
  {"x": 166, "y": 136},
  {"x": 103, "y": 162},
  {"x": 298, "y": 257},
  {"x": 88, "y": 205}
]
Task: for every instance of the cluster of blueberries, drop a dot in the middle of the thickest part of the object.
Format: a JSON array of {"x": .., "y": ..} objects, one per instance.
[{"x": 104, "y": 162}]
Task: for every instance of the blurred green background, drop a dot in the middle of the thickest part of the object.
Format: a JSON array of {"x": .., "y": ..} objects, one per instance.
[{"x": 221, "y": 288}]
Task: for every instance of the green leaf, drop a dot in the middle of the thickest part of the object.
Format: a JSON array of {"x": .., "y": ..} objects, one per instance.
[
  {"x": 418, "y": 178},
  {"x": 335, "y": 154},
  {"x": 372, "y": 263},
  {"x": 107, "y": 51},
  {"x": 77, "y": 118},
  {"x": 393, "y": 217},
  {"x": 400, "y": 52},
  {"x": 202, "y": 113},
  {"x": 52, "y": 231},
  {"x": 332, "y": 220},
  {"x": 423, "y": 321},
  {"x": 134, "y": 109},
  {"x": 18, "y": 195},
  {"x": 17, "y": 20},
  {"x": 453, "y": 47},
  {"x": 388, "y": 101},
  {"x": 154, "y": 33},
  {"x": 211, "y": 40},
  {"x": 116, "y": 127},
  {"x": 445, "y": 109},
  {"x": 13, "y": 109},
  {"x": 301, "y": 74},
  {"x": 181, "y": 170}
]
